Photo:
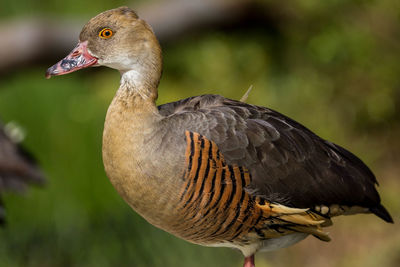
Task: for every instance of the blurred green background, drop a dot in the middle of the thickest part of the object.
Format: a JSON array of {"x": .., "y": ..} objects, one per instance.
[{"x": 332, "y": 65}]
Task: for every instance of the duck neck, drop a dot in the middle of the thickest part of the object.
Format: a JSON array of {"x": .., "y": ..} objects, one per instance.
[
  {"x": 139, "y": 82},
  {"x": 137, "y": 86}
]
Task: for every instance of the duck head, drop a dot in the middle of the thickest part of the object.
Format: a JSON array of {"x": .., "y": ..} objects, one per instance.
[{"x": 117, "y": 39}]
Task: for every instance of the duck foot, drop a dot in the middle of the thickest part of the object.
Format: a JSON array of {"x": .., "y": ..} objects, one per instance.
[{"x": 249, "y": 261}]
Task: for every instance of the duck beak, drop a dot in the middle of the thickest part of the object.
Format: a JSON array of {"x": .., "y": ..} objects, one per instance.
[{"x": 79, "y": 58}]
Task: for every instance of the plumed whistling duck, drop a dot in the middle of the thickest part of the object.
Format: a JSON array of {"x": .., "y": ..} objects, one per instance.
[{"x": 211, "y": 170}]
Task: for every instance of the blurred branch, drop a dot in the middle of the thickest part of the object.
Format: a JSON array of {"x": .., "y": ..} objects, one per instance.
[
  {"x": 32, "y": 40},
  {"x": 171, "y": 19}
]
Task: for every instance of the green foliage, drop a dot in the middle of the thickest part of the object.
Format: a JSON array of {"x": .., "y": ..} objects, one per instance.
[{"x": 53, "y": 8}]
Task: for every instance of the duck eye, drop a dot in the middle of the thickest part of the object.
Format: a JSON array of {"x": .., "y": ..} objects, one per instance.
[{"x": 105, "y": 33}]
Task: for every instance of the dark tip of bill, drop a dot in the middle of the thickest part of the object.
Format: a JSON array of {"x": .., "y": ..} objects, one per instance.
[{"x": 49, "y": 72}]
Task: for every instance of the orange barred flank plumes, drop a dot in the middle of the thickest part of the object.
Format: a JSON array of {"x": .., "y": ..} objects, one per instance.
[
  {"x": 213, "y": 201},
  {"x": 214, "y": 206}
]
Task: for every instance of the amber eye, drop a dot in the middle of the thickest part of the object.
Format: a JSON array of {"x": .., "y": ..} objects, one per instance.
[{"x": 105, "y": 33}]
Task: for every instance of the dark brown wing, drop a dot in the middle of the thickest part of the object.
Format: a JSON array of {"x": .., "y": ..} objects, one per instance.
[
  {"x": 288, "y": 163},
  {"x": 17, "y": 168}
]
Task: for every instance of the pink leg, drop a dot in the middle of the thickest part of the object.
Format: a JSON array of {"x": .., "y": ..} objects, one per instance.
[{"x": 249, "y": 261}]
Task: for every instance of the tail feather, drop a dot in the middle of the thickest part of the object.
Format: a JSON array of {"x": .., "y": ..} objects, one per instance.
[{"x": 382, "y": 213}]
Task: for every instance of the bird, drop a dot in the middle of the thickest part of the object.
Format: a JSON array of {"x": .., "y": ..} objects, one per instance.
[
  {"x": 208, "y": 169},
  {"x": 18, "y": 168}
]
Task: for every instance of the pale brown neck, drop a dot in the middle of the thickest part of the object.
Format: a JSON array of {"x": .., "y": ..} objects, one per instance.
[
  {"x": 143, "y": 76},
  {"x": 136, "y": 93}
]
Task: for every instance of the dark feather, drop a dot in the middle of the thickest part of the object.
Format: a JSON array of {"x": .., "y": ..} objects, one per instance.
[
  {"x": 17, "y": 168},
  {"x": 288, "y": 163}
]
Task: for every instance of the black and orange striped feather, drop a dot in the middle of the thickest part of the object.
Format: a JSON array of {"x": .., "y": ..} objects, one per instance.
[{"x": 215, "y": 207}]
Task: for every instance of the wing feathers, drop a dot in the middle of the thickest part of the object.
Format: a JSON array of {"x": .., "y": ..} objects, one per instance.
[{"x": 288, "y": 163}]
